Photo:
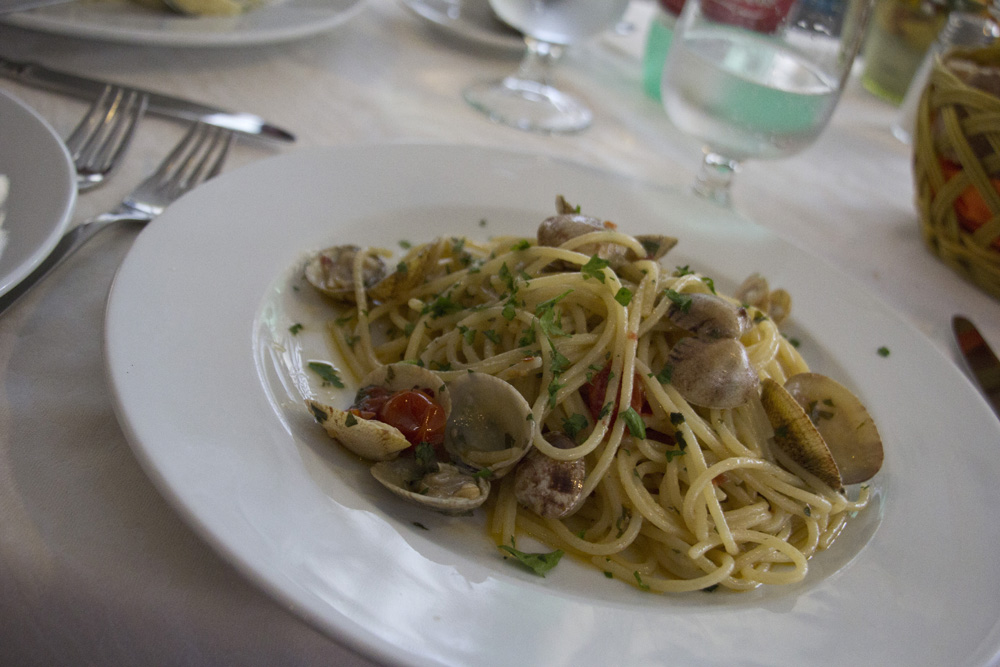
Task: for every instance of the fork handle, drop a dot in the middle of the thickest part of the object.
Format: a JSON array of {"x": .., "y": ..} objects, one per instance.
[{"x": 71, "y": 241}]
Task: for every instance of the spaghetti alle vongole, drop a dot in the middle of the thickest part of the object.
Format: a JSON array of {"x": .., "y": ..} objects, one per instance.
[{"x": 492, "y": 374}]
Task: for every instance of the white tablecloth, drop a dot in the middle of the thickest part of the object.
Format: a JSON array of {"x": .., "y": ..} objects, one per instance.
[{"x": 95, "y": 567}]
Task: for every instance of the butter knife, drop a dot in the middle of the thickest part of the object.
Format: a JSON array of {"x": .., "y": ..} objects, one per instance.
[
  {"x": 36, "y": 75},
  {"x": 981, "y": 360},
  {"x": 11, "y": 6}
]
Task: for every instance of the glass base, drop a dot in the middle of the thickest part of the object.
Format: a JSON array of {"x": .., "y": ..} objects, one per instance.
[
  {"x": 529, "y": 105},
  {"x": 715, "y": 178}
]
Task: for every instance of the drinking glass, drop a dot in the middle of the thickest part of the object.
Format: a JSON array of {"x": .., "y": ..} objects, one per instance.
[
  {"x": 757, "y": 78},
  {"x": 527, "y": 99}
]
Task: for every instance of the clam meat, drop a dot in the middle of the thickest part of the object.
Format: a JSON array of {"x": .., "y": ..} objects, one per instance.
[{"x": 439, "y": 486}]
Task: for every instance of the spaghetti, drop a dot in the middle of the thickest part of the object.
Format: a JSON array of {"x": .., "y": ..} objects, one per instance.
[{"x": 676, "y": 497}]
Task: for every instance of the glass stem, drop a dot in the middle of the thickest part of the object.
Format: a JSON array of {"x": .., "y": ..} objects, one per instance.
[
  {"x": 715, "y": 177},
  {"x": 539, "y": 60}
]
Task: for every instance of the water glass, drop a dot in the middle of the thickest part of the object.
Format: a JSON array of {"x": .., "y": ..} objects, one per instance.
[
  {"x": 527, "y": 99},
  {"x": 757, "y": 78}
]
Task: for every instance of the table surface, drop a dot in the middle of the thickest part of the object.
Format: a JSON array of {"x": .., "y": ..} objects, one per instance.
[{"x": 95, "y": 567}]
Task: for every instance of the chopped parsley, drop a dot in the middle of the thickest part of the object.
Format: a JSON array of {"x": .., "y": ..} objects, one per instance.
[
  {"x": 594, "y": 268},
  {"x": 573, "y": 424},
  {"x": 441, "y": 306},
  {"x": 327, "y": 373},
  {"x": 539, "y": 563},
  {"x": 666, "y": 374},
  {"x": 672, "y": 454},
  {"x": 883, "y": 351},
  {"x": 624, "y": 296},
  {"x": 295, "y": 328},
  {"x": 426, "y": 458},
  {"x": 635, "y": 424},
  {"x": 682, "y": 301}
]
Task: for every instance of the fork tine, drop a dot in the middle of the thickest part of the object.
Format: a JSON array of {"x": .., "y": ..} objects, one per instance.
[
  {"x": 197, "y": 157},
  {"x": 95, "y": 115},
  {"x": 103, "y": 135},
  {"x": 108, "y": 153}
]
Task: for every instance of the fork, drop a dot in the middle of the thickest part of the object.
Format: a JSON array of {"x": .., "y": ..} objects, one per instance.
[
  {"x": 102, "y": 136},
  {"x": 197, "y": 157}
]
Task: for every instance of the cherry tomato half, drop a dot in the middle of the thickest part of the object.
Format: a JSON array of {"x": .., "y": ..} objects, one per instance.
[
  {"x": 595, "y": 390},
  {"x": 416, "y": 415}
]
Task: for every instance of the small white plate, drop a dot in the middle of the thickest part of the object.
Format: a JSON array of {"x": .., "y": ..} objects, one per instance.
[
  {"x": 42, "y": 189},
  {"x": 125, "y": 21},
  {"x": 208, "y": 381},
  {"x": 471, "y": 20}
]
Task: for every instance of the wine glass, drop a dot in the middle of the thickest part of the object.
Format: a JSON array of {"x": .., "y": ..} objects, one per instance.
[
  {"x": 527, "y": 99},
  {"x": 754, "y": 79}
]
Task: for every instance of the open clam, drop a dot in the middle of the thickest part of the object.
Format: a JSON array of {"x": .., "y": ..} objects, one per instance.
[
  {"x": 331, "y": 271},
  {"x": 824, "y": 428},
  {"x": 755, "y": 291},
  {"x": 371, "y": 428},
  {"x": 490, "y": 424},
  {"x": 443, "y": 487},
  {"x": 843, "y": 421},
  {"x": 551, "y": 489},
  {"x": 712, "y": 373}
]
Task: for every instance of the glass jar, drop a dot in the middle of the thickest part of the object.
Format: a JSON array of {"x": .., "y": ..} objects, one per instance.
[{"x": 901, "y": 33}]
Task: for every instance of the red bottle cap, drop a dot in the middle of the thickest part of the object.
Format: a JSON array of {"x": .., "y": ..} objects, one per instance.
[{"x": 759, "y": 15}]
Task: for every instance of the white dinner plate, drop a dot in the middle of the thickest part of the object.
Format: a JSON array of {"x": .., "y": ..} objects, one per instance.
[
  {"x": 42, "y": 189},
  {"x": 125, "y": 21},
  {"x": 208, "y": 380},
  {"x": 471, "y": 20}
]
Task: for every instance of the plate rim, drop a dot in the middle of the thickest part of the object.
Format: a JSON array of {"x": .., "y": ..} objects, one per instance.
[
  {"x": 65, "y": 179},
  {"x": 470, "y": 32},
  {"x": 56, "y": 20}
]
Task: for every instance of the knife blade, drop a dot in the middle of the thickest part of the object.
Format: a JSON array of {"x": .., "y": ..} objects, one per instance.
[
  {"x": 36, "y": 75},
  {"x": 980, "y": 358},
  {"x": 11, "y": 6}
]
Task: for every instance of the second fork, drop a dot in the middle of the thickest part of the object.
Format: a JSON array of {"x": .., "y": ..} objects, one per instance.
[
  {"x": 100, "y": 140},
  {"x": 198, "y": 157}
]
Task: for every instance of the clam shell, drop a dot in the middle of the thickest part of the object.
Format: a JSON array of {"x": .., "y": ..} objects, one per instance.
[
  {"x": 401, "y": 376},
  {"x": 418, "y": 264},
  {"x": 843, "y": 421},
  {"x": 710, "y": 316},
  {"x": 331, "y": 271},
  {"x": 712, "y": 373},
  {"x": 441, "y": 487},
  {"x": 489, "y": 425},
  {"x": 369, "y": 439},
  {"x": 551, "y": 489},
  {"x": 796, "y": 435}
]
